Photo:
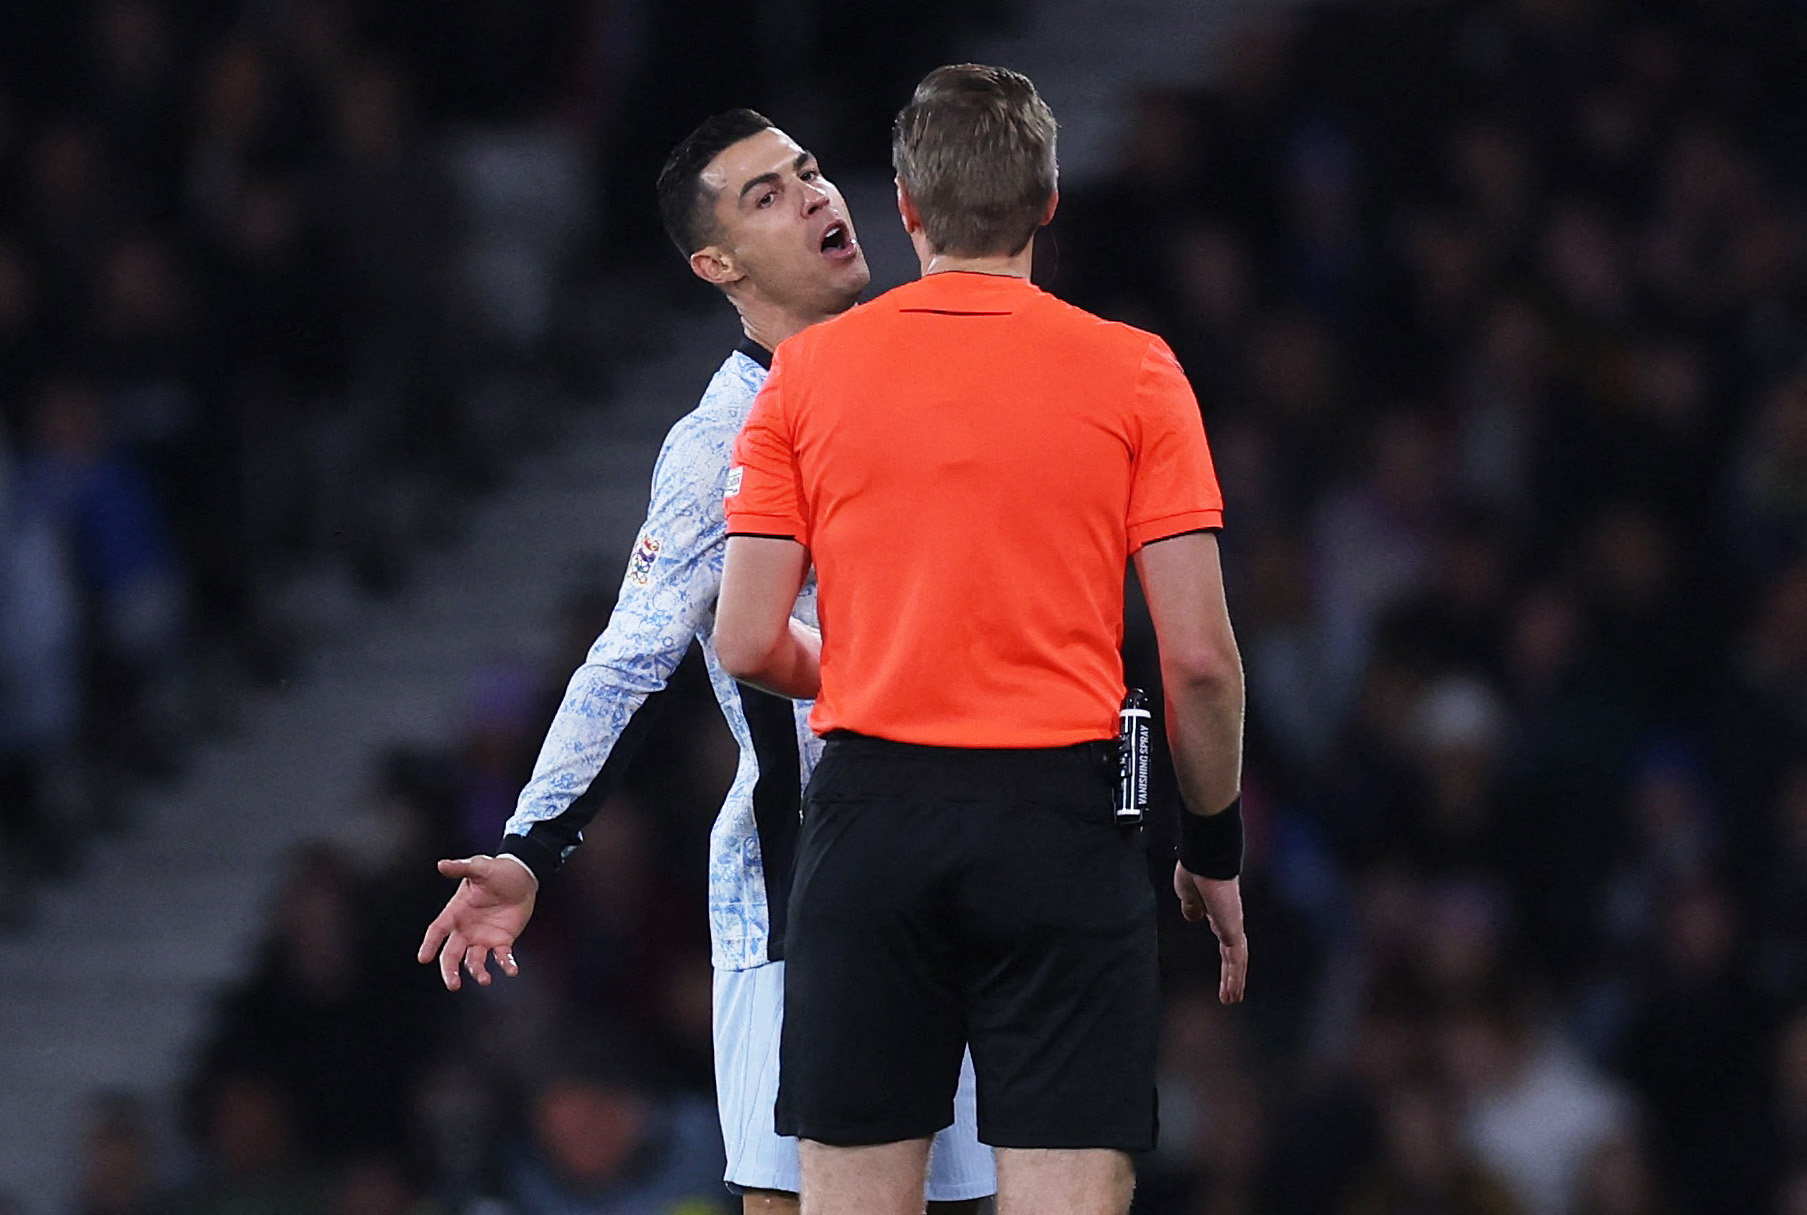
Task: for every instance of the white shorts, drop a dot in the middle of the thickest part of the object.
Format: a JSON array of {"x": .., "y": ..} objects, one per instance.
[{"x": 749, "y": 1010}]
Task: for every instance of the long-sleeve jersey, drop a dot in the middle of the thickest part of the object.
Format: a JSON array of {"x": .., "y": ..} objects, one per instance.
[{"x": 667, "y": 601}]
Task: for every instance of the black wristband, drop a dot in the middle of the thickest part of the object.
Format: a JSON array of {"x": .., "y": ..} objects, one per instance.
[{"x": 1211, "y": 845}]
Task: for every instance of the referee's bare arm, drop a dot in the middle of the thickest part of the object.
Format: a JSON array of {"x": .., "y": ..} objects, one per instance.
[
  {"x": 1201, "y": 668},
  {"x": 756, "y": 639},
  {"x": 1201, "y": 672}
]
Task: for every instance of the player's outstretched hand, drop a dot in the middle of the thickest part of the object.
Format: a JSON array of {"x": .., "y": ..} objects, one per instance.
[
  {"x": 493, "y": 902},
  {"x": 1220, "y": 902}
]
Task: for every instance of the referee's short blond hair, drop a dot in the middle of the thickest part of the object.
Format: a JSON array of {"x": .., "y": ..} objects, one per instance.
[{"x": 975, "y": 149}]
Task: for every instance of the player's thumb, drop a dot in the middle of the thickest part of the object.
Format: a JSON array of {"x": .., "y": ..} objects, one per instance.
[{"x": 468, "y": 867}]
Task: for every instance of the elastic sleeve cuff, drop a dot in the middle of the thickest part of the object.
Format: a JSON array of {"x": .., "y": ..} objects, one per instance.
[
  {"x": 1207, "y": 520},
  {"x": 771, "y": 527},
  {"x": 541, "y": 860}
]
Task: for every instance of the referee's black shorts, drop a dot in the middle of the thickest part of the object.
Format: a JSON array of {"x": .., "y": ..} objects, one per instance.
[{"x": 944, "y": 896}]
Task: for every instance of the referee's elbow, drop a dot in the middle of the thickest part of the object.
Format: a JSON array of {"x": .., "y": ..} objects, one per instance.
[
  {"x": 744, "y": 653},
  {"x": 1213, "y": 669}
]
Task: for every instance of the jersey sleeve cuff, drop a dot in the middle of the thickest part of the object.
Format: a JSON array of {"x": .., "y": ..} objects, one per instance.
[
  {"x": 765, "y": 527},
  {"x": 1167, "y": 526},
  {"x": 542, "y": 860}
]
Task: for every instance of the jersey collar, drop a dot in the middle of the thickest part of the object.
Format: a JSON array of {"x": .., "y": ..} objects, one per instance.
[
  {"x": 753, "y": 350},
  {"x": 966, "y": 291}
]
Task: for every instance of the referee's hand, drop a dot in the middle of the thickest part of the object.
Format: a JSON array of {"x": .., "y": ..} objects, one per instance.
[
  {"x": 493, "y": 902},
  {"x": 1220, "y": 902}
]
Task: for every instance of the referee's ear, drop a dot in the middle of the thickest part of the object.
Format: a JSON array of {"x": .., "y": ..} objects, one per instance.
[
  {"x": 906, "y": 209},
  {"x": 716, "y": 265}
]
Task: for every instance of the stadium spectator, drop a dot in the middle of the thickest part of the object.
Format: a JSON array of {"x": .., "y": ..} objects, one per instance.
[
  {"x": 603, "y": 1141},
  {"x": 339, "y": 1036},
  {"x": 41, "y": 694},
  {"x": 1425, "y": 1165},
  {"x": 249, "y": 1158}
]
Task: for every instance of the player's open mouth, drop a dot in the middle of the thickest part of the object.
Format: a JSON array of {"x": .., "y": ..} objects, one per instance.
[{"x": 838, "y": 240}]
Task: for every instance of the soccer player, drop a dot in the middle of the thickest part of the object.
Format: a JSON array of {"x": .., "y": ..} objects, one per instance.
[
  {"x": 971, "y": 464},
  {"x": 752, "y": 212}
]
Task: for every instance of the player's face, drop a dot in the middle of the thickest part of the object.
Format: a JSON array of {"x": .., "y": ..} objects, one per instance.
[{"x": 785, "y": 225}]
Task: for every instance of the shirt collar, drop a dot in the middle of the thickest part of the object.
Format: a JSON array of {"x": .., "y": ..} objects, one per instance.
[
  {"x": 753, "y": 350},
  {"x": 966, "y": 291}
]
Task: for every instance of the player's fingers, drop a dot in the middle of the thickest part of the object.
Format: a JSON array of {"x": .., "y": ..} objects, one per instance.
[
  {"x": 449, "y": 953},
  {"x": 456, "y": 868},
  {"x": 476, "y": 959},
  {"x": 437, "y": 932},
  {"x": 510, "y": 967}
]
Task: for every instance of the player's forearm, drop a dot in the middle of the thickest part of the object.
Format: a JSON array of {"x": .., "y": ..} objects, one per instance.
[
  {"x": 603, "y": 716},
  {"x": 602, "y": 699},
  {"x": 1204, "y": 729},
  {"x": 590, "y": 742}
]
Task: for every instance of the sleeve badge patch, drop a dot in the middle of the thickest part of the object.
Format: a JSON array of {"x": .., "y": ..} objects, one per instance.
[
  {"x": 734, "y": 476},
  {"x": 640, "y": 565}
]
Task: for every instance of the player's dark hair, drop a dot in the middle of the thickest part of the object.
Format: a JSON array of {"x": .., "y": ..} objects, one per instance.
[
  {"x": 685, "y": 203},
  {"x": 975, "y": 148}
]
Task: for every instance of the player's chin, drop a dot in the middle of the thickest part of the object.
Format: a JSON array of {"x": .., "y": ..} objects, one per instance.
[
  {"x": 857, "y": 272},
  {"x": 846, "y": 279}
]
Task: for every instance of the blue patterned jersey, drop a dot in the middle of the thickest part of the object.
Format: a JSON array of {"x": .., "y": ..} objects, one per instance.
[{"x": 667, "y": 601}]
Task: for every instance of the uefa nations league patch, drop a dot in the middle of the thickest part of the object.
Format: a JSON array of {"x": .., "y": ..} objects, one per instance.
[{"x": 640, "y": 565}]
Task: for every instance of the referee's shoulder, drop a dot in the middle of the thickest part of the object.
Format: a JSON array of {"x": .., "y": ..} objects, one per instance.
[{"x": 1111, "y": 339}]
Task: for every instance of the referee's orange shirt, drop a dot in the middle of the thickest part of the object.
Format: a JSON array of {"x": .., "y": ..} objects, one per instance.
[{"x": 970, "y": 463}]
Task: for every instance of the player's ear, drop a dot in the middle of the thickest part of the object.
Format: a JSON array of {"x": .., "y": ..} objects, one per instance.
[
  {"x": 1053, "y": 206},
  {"x": 716, "y": 265},
  {"x": 906, "y": 209}
]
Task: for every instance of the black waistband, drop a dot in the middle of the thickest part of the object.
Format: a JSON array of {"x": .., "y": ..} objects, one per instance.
[{"x": 847, "y": 742}]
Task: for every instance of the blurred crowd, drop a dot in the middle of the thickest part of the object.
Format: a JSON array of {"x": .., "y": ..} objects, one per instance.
[
  {"x": 284, "y": 286},
  {"x": 281, "y": 286},
  {"x": 1497, "y": 313},
  {"x": 340, "y": 1078},
  {"x": 226, "y": 357}
]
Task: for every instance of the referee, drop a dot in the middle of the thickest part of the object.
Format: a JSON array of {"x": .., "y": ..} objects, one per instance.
[{"x": 970, "y": 464}]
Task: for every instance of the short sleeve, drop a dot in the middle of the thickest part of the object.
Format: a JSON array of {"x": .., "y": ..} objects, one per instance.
[
  {"x": 764, "y": 496},
  {"x": 1173, "y": 487}
]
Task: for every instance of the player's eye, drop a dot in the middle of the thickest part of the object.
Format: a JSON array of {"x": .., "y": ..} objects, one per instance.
[
  {"x": 766, "y": 199},
  {"x": 811, "y": 174}
]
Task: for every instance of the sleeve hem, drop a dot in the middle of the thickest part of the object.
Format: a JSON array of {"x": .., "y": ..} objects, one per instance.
[
  {"x": 1168, "y": 526},
  {"x": 765, "y": 527},
  {"x": 541, "y": 860}
]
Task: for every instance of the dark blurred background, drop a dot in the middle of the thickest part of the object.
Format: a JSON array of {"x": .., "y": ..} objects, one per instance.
[{"x": 1497, "y": 314}]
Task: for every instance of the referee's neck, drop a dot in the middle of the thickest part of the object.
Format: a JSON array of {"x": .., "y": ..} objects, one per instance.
[{"x": 1015, "y": 265}]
